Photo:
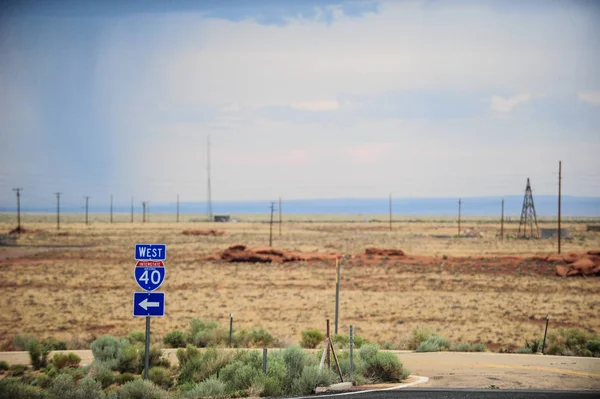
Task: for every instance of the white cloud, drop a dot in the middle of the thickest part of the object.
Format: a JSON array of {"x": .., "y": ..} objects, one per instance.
[
  {"x": 592, "y": 97},
  {"x": 316, "y": 105},
  {"x": 500, "y": 104}
]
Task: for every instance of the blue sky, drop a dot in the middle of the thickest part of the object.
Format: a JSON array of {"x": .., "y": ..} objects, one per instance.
[{"x": 314, "y": 99}]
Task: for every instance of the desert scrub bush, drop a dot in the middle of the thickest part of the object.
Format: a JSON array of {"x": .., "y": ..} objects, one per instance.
[
  {"x": 260, "y": 338},
  {"x": 359, "y": 341},
  {"x": 341, "y": 341},
  {"x": 238, "y": 376},
  {"x": 462, "y": 347},
  {"x": 593, "y": 346},
  {"x": 17, "y": 370},
  {"x": 175, "y": 339},
  {"x": 571, "y": 341},
  {"x": 156, "y": 358},
  {"x": 106, "y": 348},
  {"x": 204, "y": 334},
  {"x": 125, "y": 377},
  {"x": 140, "y": 389},
  {"x": 160, "y": 376},
  {"x": 311, "y": 338},
  {"x": 388, "y": 346},
  {"x": 62, "y": 360},
  {"x": 136, "y": 337},
  {"x": 54, "y": 344},
  {"x": 196, "y": 366},
  {"x": 478, "y": 347},
  {"x": 101, "y": 372},
  {"x": 3, "y": 365},
  {"x": 368, "y": 351},
  {"x": 12, "y": 388},
  {"x": 210, "y": 388},
  {"x": 22, "y": 341},
  {"x": 42, "y": 380},
  {"x": 38, "y": 354},
  {"x": 65, "y": 387},
  {"x": 434, "y": 343},
  {"x": 384, "y": 367},
  {"x": 418, "y": 336},
  {"x": 311, "y": 378}
]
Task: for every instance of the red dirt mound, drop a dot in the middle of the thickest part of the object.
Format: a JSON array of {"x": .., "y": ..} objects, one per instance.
[
  {"x": 579, "y": 264},
  {"x": 23, "y": 230},
  {"x": 242, "y": 253},
  {"x": 384, "y": 252},
  {"x": 213, "y": 233}
]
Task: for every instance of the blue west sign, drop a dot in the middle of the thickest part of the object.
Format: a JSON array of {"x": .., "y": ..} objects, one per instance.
[{"x": 150, "y": 251}]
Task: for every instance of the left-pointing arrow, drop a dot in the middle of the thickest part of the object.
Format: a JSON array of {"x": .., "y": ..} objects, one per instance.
[{"x": 145, "y": 304}]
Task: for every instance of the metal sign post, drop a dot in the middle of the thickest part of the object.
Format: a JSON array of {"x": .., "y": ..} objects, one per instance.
[{"x": 149, "y": 273}]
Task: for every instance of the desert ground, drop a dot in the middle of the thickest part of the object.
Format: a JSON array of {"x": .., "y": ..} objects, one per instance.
[{"x": 77, "y": 283}]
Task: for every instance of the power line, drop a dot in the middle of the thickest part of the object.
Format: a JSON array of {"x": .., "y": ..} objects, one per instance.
[
  {"x": 209, "y": 209},
  {"x": 57, "y": 210}
]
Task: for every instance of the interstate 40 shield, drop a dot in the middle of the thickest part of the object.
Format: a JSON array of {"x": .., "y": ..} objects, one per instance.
[{"x": 149, "y": 274}]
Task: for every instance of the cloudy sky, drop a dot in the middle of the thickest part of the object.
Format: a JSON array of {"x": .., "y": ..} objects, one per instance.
[{"x": 312, "y": 99}]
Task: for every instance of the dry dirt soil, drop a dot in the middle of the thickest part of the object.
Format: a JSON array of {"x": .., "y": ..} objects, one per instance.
[{"x": 78, "y": 284}]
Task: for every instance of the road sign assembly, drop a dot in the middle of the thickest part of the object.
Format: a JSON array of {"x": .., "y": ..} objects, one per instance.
[{"x": 148, "y": 304}]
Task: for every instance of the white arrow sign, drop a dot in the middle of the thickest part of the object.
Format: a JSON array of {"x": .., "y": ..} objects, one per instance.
[{"x": 145, "y": 304}]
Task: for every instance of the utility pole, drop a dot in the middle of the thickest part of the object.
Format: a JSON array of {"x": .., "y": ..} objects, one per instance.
[
  {"x": 271, "y": 225},
  {"x": 18, "y": 190},
  {"x": 111, "y": 208},
  {"x": 338, "y": 265},
  {"x": 559, "y": 194},
  {"x": 280, "y": 221},
  {"x": 209, "y": 209},
  {"x": 87, "y": 200},
  {"x": 459, "y": 204},
  {"x": 143, "y": 212},
  {"x": 502, "y": 222},
  {"x": 390, "y": 211},
  {"x": 177, "y": 208},
  {"x": 131, "y": 209},
  {"x": 57, "y": 211}
]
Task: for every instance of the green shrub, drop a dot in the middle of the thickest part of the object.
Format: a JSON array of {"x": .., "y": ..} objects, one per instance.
[
  {"x": 311, "y": 378},
  {"x": 22, "y": 341},
  {"x": 175, "y": 339},
  {"x": 17, "y": 370},
  {"x": 12, "y": 388},
  {"x": 102, "y": 373},
  {"x": 418, "y": 337},
  {"x": 368, "y": 351},
  {"x": 478, "y": 347},
  {"x": 388, "y": 346},
  {"x": 295, "y": 361},
  {"x": 125, "y": 377},
  {"x": 462, "y": 347},
  {"x": 38, "y": 354},
  {"x": 105, "y": 348},
  {"x": 260, "y": 338},
  {"x": 76, "y": 373},
  {"x": 140, "y": 389},
  {"x": 155, "y": 359},
  {"x": 62, "y": 360},
  {"x": 210, "y": 388},
  {"x": 204, "y": 334},
  {"x": 524, "y": 350},
  {"x": 65, "y": 387},
  {"x": 42, "y": 380},
  {"x": 238, "y": 376},
  {"x": 359, "y": 341},
  {"x": 341, "y": 341},
  {"x": 54, "y": 344},
  {"x": 136, "y": 337},
  {"x": 160, "y": 376},
  {"x": 384, "y": 367},
  {"x": 128, "y": 357},
  {"x": 311, "y": 338},
  {"x": 3, "y": 365},
  {"x": 198, "y": 366},
  {"x": 593, "y": 346},
  {"x": 434, "y": 343},
  {"x": 183, "y": 355}
]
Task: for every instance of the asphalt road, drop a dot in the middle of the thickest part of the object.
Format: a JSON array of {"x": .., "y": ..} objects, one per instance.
[{"x": 420, "y": 393}]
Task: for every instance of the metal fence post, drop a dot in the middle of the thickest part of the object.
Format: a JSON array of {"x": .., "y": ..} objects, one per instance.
[
  {"x": 230, "y": 329},
  {"x": 351, "y": 351},
  {"x": 545, "y": 332},
  {"x": 264, "y": 361}
]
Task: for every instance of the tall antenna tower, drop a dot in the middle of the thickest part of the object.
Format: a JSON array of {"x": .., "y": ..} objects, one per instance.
[
  {"x": 209, "y": 211},
  {"x": 528, "y": 216}
]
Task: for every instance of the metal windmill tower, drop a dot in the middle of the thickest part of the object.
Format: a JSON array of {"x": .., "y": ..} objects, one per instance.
[{"x": 528, "y": 216}]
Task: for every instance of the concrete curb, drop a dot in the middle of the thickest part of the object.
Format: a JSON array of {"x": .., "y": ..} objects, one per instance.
[{"x": 420, "y": 380}]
